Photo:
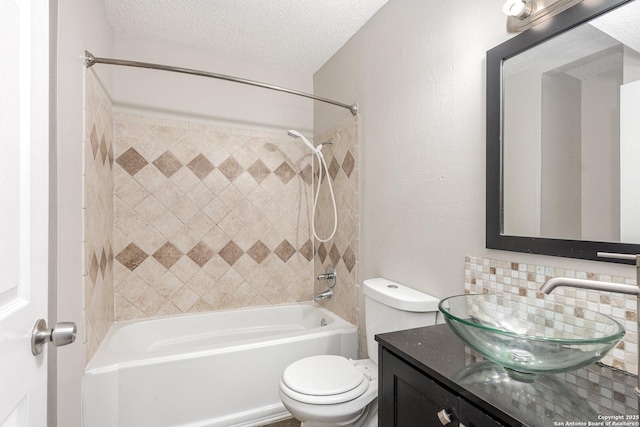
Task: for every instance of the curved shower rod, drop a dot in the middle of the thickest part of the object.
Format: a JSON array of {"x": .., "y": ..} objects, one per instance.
[{"x": 90, "y": 60}]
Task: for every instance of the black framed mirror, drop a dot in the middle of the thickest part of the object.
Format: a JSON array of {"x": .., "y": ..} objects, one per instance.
[{"x": 558, "y": 156}]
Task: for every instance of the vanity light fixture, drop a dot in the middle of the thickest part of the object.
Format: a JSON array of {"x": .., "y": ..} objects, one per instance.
[
  {"x": 517, "y": 8},
  {"x": 524, "y": 14}
]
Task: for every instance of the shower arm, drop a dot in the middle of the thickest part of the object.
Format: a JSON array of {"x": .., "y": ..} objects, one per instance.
[{"x": 90, "y": 60}]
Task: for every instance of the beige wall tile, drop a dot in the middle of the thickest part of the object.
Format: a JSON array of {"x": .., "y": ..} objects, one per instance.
[
  {"x": 98, "y": 214},
  {"x": 207, "y": 218},
  {"x": 340, "y": 250},
  {"x": 208, "y": 207}
]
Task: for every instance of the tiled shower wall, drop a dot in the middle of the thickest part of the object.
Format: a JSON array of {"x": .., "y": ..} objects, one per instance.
[
  {"x": 341, "y": 251},
  {"x": 208, "y": 218},
  {"x": 98, "y": 214},
  {"x": 483, "y": 275}
]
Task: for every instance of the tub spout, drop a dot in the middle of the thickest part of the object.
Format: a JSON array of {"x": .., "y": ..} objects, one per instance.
[{"x": 323, "y": 295}]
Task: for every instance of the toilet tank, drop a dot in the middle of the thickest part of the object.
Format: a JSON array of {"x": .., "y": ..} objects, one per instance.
[{"x": 390, "y": 306}]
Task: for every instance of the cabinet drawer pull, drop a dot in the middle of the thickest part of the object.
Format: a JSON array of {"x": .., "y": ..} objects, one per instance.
[{"x": 444, "y": 417}]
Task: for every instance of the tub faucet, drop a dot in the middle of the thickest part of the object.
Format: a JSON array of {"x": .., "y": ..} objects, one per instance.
[
  {"x": 323, "y": 295},
  {"x": 331, "y": 277},
  {"x": 597, "y": 285}
]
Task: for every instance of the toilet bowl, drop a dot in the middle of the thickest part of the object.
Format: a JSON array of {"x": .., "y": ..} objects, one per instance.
[
  {"x": 331, "y": 391},
  {"x": 328, "y": 390}
]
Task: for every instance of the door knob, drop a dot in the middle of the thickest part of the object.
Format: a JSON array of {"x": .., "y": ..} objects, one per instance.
[{"x": 62, "y": 334}]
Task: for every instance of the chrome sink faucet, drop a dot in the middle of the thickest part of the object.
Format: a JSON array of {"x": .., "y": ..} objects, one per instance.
[{"x": 597, "y": 285}]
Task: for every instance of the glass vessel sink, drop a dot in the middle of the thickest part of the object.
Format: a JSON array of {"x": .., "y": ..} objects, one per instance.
[{"x": 552, "y": 338}]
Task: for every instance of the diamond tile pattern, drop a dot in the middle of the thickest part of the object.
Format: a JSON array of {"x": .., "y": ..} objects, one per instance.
[
  {"x": 200, "y": 254},
  {"x": 341, "y": 250},
  {"x": 131, "y": 161},
  {"x": 259, "y": 171},
  {"x": 334, "y": 168},
  {"x": 167, "y": 164},
  {"x": 334, "y": 254},
  {"x": 93, "y": 138},
  {"x": 167, "y": 255},
  {"x": 232, "y": 192},
  {"x": 307, "y": 250},
  {"x": 131, "y": 256},
  {"x": 200, "y": 166},
  {"x": 258, "y": 252},
  {"x": 285, "y": 172},
  {"x": 322, "y": 252},
  {"x": 104, "y": 150},
  {"x": 94, "y": 268},
  {"x": 98, "y": 215},
  {"x": 285, "y": 250},
  {"x": 207, "y": 218},
  {"x": 349, "y": 258},
  {"x": 230, "y": 169},
  {"x": 348, "y": 164},
  {"x": 215, "y": 191},
  {"x": 305, "y": 174},
  {"x": 231, "y": 253}
]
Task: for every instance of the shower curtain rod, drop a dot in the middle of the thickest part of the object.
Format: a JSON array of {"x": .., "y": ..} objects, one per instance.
[{"x": 90, "y": 61}]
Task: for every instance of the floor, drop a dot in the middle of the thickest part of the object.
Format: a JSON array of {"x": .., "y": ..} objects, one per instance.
[{"x": 286, "y": 423}]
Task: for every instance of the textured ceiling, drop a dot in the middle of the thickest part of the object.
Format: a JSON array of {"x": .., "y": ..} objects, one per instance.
[{"x": 299, "y": 35}]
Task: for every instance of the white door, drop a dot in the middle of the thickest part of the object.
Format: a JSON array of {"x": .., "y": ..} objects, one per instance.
[{"x": 24, "y": 200}]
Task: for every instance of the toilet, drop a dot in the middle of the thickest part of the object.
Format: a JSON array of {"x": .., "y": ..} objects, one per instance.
[{"x": 328, "y": 390}]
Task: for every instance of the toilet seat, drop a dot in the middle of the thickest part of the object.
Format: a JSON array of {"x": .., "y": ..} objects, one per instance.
[{"x": 323, "y": 380}]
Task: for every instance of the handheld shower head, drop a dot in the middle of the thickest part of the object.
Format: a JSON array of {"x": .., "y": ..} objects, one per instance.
[
  {"x": 296, "y": 134},
  {"x": 321, "y": 162}
]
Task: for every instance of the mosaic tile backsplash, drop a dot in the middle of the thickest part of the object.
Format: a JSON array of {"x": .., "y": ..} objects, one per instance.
[
  {"x": 484, "y": 275},
  {"x": 208, "y": 218},
  {"x": 98, "y": 214}
]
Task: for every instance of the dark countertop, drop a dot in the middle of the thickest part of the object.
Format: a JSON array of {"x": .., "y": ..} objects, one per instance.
[{"x": 592, "y": 396}]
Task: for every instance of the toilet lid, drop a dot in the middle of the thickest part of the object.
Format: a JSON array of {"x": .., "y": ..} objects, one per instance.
[{"x": 324, "y": 379}]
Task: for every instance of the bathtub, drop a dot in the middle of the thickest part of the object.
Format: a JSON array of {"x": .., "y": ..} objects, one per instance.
[{"x": 210, "y": 369}]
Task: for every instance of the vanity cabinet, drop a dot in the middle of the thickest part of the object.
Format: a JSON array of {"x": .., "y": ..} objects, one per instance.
[
  {"x": 428, "y": 374},
  {"x": 410, "y": 398}
]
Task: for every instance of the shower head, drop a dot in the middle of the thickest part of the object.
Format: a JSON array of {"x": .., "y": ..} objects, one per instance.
[{"x": 296, "y": 134}]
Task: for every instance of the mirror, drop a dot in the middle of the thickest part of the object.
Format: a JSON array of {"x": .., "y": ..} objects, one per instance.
[{"x": 563, "y": 134}]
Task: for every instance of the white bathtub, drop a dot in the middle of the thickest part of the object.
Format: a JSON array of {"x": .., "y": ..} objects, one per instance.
[{"x": 210, "y": 369}]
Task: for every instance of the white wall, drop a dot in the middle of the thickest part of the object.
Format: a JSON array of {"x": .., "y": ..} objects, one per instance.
[
  {"x": 560, "y": 166},
  {"x": 629, "y": 151},
  {"x": 522, "y": 152},
  {"x": 82, "y": 24},
  {"x": 417, "y": 70},
  {"x": 601, "y": 157},
  {"x": 198, "y": 98}
]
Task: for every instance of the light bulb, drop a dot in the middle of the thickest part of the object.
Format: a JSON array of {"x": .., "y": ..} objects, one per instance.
[{"x": 517, "y": 8}]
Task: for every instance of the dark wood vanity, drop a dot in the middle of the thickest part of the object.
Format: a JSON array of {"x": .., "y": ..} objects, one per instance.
[{"x": 428, "y": 376}]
